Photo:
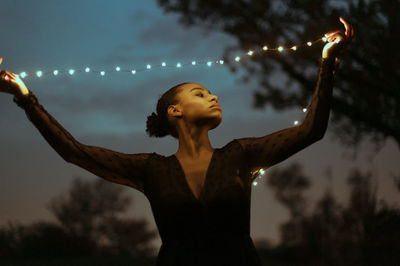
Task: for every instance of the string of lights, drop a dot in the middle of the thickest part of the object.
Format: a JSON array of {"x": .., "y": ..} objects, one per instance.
[{"x": 255, "y": 174}]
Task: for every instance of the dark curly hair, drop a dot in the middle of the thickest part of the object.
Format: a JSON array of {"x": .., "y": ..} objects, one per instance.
[{"x": 157, "y": 125}]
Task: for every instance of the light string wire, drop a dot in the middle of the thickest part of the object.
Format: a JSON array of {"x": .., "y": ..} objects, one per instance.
[{"x": 254, "y": 174}]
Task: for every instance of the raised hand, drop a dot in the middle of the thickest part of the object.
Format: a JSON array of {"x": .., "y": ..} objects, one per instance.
[
  {"x": 338, "y": 41},
  {"x": 12, "y": 83}
]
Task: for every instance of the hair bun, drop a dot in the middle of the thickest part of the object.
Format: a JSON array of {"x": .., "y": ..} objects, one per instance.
[{"x": 154, "y": 125}]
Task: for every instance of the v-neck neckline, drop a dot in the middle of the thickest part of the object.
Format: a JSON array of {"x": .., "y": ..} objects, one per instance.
[{"x": 185, "y": 181}]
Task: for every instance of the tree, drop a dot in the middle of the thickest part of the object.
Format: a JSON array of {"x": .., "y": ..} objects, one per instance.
[
  {"x": 91, "y": 212},
  {"x": 366, "y": 98},
  {"x": 364, "y": 232}
]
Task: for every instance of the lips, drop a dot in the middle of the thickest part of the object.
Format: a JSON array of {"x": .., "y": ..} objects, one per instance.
[{"x": 215, "y": 105}]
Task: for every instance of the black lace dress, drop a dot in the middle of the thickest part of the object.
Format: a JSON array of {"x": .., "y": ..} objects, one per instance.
[{"x": 213, "y": 229}]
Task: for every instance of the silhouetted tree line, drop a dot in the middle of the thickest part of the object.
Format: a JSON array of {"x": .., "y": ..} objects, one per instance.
[
  {"x": 362, "y": 232},
  {"x": 366, "y": 100},
  {"x": 90, "y": 230}
]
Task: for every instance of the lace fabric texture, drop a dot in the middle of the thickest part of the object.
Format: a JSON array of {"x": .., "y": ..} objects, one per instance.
[{"x": 213, "y": 229}]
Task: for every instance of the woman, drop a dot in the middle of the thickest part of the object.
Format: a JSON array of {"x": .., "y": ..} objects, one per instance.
[{"x": 200, "y": 196}]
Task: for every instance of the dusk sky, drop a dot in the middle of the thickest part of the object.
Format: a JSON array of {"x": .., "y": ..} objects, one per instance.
[{"x": 111, "y": 111}]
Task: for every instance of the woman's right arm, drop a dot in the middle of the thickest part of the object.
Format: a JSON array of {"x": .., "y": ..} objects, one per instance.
[{"x": 126, "y": 169}]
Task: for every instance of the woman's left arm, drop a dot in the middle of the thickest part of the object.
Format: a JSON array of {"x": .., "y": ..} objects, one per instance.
[{"x": 263, "y": 152}]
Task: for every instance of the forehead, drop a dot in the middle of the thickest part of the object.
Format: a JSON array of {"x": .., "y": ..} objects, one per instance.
[{"x": 193, "y": 87}]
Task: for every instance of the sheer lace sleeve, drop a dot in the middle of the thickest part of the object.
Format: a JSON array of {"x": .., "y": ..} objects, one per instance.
[
  {"x": 263, "y": 152},
  {"x": 125, "y": 169}
]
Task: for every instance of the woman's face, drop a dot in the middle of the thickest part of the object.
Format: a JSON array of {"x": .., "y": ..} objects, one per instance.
[{"x": 199, "y": 106}]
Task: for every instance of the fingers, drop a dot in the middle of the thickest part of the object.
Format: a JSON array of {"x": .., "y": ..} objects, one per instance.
[{"x": 349, "y": 28}]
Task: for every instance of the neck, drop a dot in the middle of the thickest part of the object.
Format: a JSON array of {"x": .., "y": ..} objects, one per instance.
[{"x": 193, "y": 143}]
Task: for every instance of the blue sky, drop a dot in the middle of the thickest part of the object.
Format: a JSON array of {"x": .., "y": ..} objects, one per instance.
[{"x": 111, "y": 111}]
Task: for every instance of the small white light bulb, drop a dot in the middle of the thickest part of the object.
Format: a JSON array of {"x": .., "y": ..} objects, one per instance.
[
  {"x": 178, "y": 65},
  {"x": 237, "y": 58},
  {"x": 296, "y": 122},
  {"x": 280, "y": 48},
  {"x": 102, "y": 73},
  {"x": 294, "y": 48},
  {"x": 71, "y": 71},
  {"x": 193, "y": 63},
  {"x": 250, "y": 52},
  {"x": 87, "y": 70},
  {"x": 304, "y": 110},
  {"x": 255, "y": 183},
  {"x": 262, "y": 171},
  {"x": 133, "y": 72},
  {"x": 209, "y": 63},
  {"x": 309, "y": 43},
  {"x": 39, "y": 73},
  {"x": 23, "y": 74},
  {"x": 55, "y": 72},
  {"x": 324, "y": 39},
  {"x": 163, "y": 64},
  {"x": 148, "y": 66},
  {"x": 265, "y": 48},
  {"x": 118, "y": 68},
  {"x": 221, "y": 62}
]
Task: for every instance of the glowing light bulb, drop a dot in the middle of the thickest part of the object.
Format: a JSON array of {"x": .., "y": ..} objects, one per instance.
[
  {"x": 87, "y": 70},
  {"x": 133, "y": 72},
  {"x": 71, "y": 71},
  {"x": 324, "y": 39},
  {"x": 250, "y": 52},
  {"x": 148, "y": 66},
  {"x": 237, "y": 58},
  {"x": 296, "y": 122},
  {"x": 178, "y": 65},
  {"x": 280, "y": 48},
  {"x": 262, "y": 171},
  {"x": 55, "y": 72},
  {"x": 163, "y": 64},
  {"x": 255, "y": 183},
  {"x": 304, "y": 110},
  {"x": 294, "y": 48},
  {"x": 309, "y": 43},
  {"x": 118, "y": 68},
  {"x": 102, "y": 73},
  {"x": 221, "y": 62},
  {"x": 23, "y": 74},
  {"x": 193, "y": 63},
  {"x": 209, "y": 63},
  {"x": 39, "y": 73},
  {"x": 6, "y": 77},
  {"x": 265, "y": 48}
]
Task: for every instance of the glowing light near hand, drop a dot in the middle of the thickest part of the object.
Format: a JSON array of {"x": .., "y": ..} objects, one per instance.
[
  {"x": 324, "y": 39},
  {"x": 262, "y": 172}
]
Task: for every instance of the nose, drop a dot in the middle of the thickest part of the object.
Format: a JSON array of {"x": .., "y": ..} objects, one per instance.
[{"x": 214, "y": 97}]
